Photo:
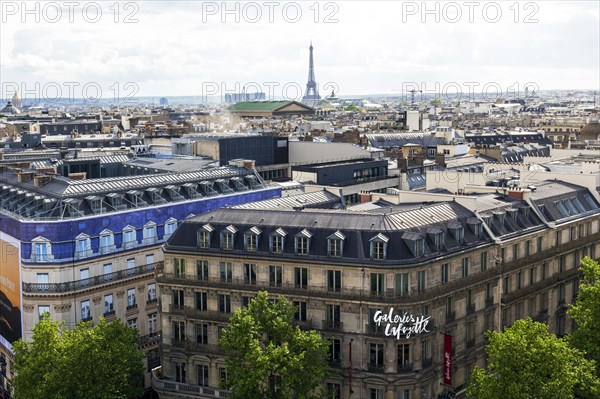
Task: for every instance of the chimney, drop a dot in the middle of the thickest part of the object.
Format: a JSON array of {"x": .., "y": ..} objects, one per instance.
[
  {"x": 365, "y": 197},
  {"x": 51, "y": 171},
  {"x": 77, "y": 176},
  {"x": 403, "y": 165},
  {"x": 25, "y": 176},
  {"x": 39, "y": 181},
  {"x": 440, "y": 159},
  {"x": 517, "y": 194}
]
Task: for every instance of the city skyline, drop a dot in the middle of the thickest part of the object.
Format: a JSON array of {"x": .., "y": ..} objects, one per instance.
[{"x": 365, "y": 52}]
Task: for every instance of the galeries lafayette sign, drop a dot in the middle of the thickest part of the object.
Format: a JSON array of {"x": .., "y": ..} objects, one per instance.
[{"x": 401, "y": 324}]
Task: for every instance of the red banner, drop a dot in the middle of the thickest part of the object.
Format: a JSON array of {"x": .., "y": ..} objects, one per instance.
[{"x": 447, "y": 359}]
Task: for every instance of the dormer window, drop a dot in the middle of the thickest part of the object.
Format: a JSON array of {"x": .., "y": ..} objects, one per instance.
[
  {"x": 277, "y": 240},
  {"x": 170, "y": 227},
  {"x": 42, "y": 250},
  {"x": 500, "y": 217},
  {"x": 227, "y": 236},
  {"x": 335, "y": 244},
  {"x": 415, "y": 243},
  {"x": 107, "y": 241},
  {"x": 83, "y": 246},
  {"x": 437, "y": 237},
  {"x": 251, "y": 239},
  {"x": 513, "y": 214},
  {"x": 457, "y": 231},
  {"x": 302, "y": 242},
  {"x": 204, "y": 236},
  {"x": 476, "y": 227},
  {"x": 149, "y": 233},
  {"x": 379, "y": 247},
  {"x": 129, "y": 239}
]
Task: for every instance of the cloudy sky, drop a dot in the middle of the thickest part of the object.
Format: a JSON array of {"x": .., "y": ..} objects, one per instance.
[{"x": 361, "y": 47}]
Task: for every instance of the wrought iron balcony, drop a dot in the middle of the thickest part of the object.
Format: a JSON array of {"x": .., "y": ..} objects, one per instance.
[
  {"x": 149, "y": 339},
  {"x": 164, "y": 386},
  {"x": 405, "y": 367},
  {"x": 77, "y": 285},
  {"x": 332, "y": 325}
]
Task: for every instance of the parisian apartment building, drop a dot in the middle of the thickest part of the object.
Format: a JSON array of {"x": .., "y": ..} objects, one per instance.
[
  {"x": 403, "y": 290},
  {"x": 82, "y": 248}
]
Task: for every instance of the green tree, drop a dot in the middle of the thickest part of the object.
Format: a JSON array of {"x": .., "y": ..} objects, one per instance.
[
  {"x": 586, "y": 312},
  {"x": 527, "y": 362},
  {"x": 100, "y": 362},
  {"x": 268, "y": 356}
]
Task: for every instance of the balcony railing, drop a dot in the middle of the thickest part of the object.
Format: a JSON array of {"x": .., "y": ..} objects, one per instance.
[
  {"x": 332, "y": 325},
  {"x": 149, "y": 339},
  {"x": 405, "y": 367},
  {"x": 70, "y": 286},
  {"x": 163, "y": 385},
  {"x": 376, "y": 368},
  {"x": 450, "y": 316},
  {"x": 540, "y": 285},
  {"x": 427, "y": 362},
  {"x": 470, "y": 308}
]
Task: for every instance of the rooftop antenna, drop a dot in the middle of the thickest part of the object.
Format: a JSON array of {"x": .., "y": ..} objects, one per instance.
[{"x": 412, "y": 95}]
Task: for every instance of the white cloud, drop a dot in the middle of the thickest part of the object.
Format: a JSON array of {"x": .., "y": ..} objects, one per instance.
[{"x": 174, "y": 48}]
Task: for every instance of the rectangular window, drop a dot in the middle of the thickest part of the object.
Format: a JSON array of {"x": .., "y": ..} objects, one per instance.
[
  {"x": 515, "y": 251},
  {"x": 334, "y": 247},
  {"x": 377, "y": 250},
  {"x": 334, "y": 280},
  {"x": 202, "y": 375},
  {"x": 425, "y": 350},
  {"x": 300, "y": 314},
  {"x": 179, "y": 330},
  {"x": 543, "y": 301},
  {"x": 377, "y": 283},
  {"x": 334, "y": 390},
  {"x": 445, "y": 273},
  {"x": 484, "y": 261},
  {"x": 132, "y": 323},
  {"x": 151, "y": 293},
  {"x": 506, "y": 285},
  {"x": 202, "y": 334},
  {"x": 401, "y": 283},
  {"x": 202, "y": 270},
  {"x": 544, "y": 270},
  {"x": 275, "y": 276},
  {"x": 85, "y": 310},
  {"x": 204, "y": 239},
  {"x": 539, "y": 244},
  {"x": 43, "y": 309},
  {"x": 465, "y": 267},
  {"x": 333, "y": 316},
  {"x": 152, "y": 323},
  {"x": 249, "y": 273},
  {"x": 302, "y": 245},
  {"x": 300, "y": 278},
  {"x": 561, "y": 264},
  {"x": 488, "y": 291},
  {"x": 251, "y": 242},
  {"x": 531, "y": 275},
  {"x": 178, "y": 299},
  {"x": 131, "y": 299},
  {"x": 376, "y": 393},
  {"x": 180, "y": 372},
  {"x": 227, "y": 241},
  {"x": 42, "y": 280},
  {"x": 246, "y": 300},
  {"x": 109, "y": 308},
  {"x": 335, "y": 351},
  {"x": 226, "y": 272},
  {"x": 527, "y": 248},
  {"x": 421, "y": 280},
  {"x": 179, "y": 267},
  {"x": 519, "y": 278},
  {"x": 201, "y": 301},
  {"x": 276, "y": 244},
  {"x": 224, "y": 303},
  {"x": 403, "y": 356},
  {"x": 376, "y": 355}
]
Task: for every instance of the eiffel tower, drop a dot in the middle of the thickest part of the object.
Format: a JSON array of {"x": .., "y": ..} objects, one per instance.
[{"x": 311, "y": 97}]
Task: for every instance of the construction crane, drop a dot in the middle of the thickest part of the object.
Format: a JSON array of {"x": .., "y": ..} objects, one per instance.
[{"x": 412, "y": 95}]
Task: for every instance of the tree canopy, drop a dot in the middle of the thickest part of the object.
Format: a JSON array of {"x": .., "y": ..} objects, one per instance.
[
  {"x": 100, "y": 362},
  {"x": 586, "y": 312},
  {"x": 268, "y": 356},
  {"x": 526, "y": 361}
]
